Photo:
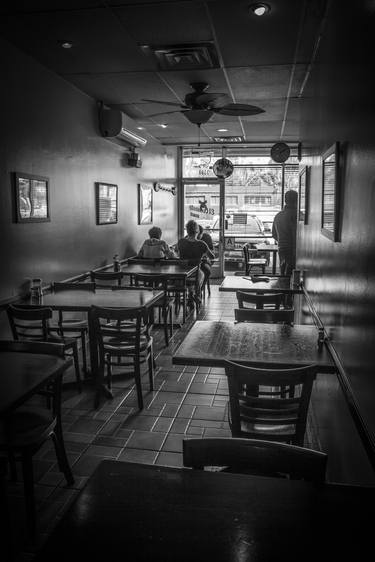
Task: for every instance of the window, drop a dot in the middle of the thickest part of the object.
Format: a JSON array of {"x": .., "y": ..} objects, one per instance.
[{"x": 261, "y": 200}]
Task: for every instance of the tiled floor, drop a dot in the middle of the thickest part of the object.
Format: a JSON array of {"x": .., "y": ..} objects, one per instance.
[{"x": 187, "y": 401}]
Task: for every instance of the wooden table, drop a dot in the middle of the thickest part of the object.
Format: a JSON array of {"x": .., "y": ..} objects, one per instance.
[
  {"x": 172, "y": 271},
  {"x": 271, "y": 249},
  {"x": 211, "y": 343},
  {"x": 233, "y": 283},
  {"x": 146, "y": 513},
  {"x": 84, "y": 300},
  {"x": 23, "y": 374}
]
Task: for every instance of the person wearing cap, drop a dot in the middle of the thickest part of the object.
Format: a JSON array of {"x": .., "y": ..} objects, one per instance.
[{"x": 284, "y": 231}]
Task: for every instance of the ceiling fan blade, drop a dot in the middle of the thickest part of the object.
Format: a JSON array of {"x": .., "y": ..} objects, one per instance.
[
  {"x": 162, "y": 113},
  {"x": 212, "y": 99},
  {"x": 165, "y": 102},
  {"x": 238, "y": 109}
]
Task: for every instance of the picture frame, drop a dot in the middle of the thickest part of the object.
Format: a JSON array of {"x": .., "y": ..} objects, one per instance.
[
  {"x": 31, "y": 194},
  {"x": 303, "y": 195},
  {"x": 331, "y": 193},
  {"x": 145, "y": 203},
  {"x": 106, "y": 196}
]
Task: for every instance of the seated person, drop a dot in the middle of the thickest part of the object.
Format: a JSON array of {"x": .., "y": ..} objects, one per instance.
[
  {"x": 192, "y": 249},
  {"x": 155, "y": 247},
  {"x": 205, "y": 263}
]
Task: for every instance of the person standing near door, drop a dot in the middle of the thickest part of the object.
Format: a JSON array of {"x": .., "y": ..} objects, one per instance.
[{"x": 284, "y": 231}]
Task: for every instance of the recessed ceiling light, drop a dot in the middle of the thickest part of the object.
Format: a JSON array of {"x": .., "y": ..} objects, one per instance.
[
  {"x": 222, "y": 130},
  {"x": 66, "y": 44},
  {"x": 163, "y": 125},
  {"x": 140, "y": 128},
  {"x": 260, "y": 9}
]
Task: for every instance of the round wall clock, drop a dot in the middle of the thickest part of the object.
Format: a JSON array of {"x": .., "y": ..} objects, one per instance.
[
  {"x": 280, "y": 152},
  {"x": 223, "y": 168}
]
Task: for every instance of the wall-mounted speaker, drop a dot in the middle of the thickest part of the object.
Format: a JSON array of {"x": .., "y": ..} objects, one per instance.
[{"x": 134, "y": 160}]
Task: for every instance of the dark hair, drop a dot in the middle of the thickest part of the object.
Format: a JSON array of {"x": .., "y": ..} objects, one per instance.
[
  {"x": 192, "y": 228},
  {"x": 155, "y": 232},
  {"x": 291, "y": 197},
  {"x": 201, "y": 229}
]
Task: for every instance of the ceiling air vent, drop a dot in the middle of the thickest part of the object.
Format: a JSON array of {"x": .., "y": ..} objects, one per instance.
[
  {"x": 185, "y": 56},
  {"x": 228, "y": 140}
]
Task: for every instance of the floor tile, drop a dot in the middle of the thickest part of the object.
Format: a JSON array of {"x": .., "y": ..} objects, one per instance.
[{"x": 146, "y": 440}]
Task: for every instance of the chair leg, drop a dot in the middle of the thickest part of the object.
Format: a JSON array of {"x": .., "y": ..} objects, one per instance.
[
  {"x": 138, "y": 384},
  {"x": 165, "y": 321},
  {"x": 171, "y": 322},
  {"x": 84, "y": 352},
  {"x": 28, "y": 485},
  {"x": 151, "y": 367},
  {"x": 61, "y": 455},
  {"x": 12, "y": 466},
  {"x": 74, "y": 349}
]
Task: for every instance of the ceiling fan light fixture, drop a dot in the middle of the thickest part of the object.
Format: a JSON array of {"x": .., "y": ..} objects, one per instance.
[
  {"x": 260, "y": 9},
  {"x": 66, "y": 44}
]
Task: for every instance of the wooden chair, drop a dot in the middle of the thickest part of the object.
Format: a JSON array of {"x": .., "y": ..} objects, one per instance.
[
  {"x": 285, "y": 316},
  {"x": 165, "y": 307},
  {"x": 106, "y": 279},
  {"x": 123, "y": 340},
  {"x": 269, "y": 404},
  {"x": 71, "y": 324},
  {"x": 260, "y": 301},
  {"x": 24, "y": 431},
  {"x": 255, "y": 456},
  {"x": 252, "y": 259},
  {"x": 33, "y": 324}
]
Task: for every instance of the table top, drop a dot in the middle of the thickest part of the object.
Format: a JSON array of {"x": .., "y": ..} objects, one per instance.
[
  {"x": 83, "y": 300},
  {"x": 232, "y": 283},
  {"x": 158, "y": 268},
  {"x": 23, "y": 374},
  {"x": 210, "y": 343},
  {"x": 150, "y": 514}
]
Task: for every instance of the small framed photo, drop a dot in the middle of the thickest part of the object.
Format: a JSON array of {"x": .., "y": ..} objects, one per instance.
[
  {"x": 145, "y": 209},
  {"x": 331, "y": 193},
  {"x": 303, "y": 195},
  {"x": 106, "y": 203},
  {"x": 31, "y": 198}
]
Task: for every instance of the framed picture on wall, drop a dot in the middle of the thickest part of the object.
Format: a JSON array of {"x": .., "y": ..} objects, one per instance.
[
  {"x": 31, "y": 198},
  {"x": 145, "y": 209},
  {"x": 106, "y": 203},
  {"x": 303, "y": 194},
  {"x": 331, "y": 192}
]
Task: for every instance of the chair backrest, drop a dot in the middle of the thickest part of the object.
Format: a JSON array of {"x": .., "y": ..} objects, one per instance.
[
  {"x": 249, "y": 252},
  {"x": 150, "y": 281},
  {"x": 61, "y": 286},
  {"x": 255, "y": 456},
  {"x": 105, "y": 279},
  {"x": 271, "y": 300},
  {"x": 269, "y": 403},
  {"x": 285, "y": 315},
  {"x": 28, "y": 322},
  {"x": 114, "y": 328}
]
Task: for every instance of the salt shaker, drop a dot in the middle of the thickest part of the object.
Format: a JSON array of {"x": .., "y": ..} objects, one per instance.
[
  {"x": 321, "y": 337},
  {"x": 36, "y": 290}
]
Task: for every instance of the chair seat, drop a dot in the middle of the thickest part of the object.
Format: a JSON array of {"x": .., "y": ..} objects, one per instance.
[
  {"x": 27, "y": 427},
  {"x": 127, "y": 348},
  {"x": 71, "y": 324},
  {"x": 268, "y": 432}
]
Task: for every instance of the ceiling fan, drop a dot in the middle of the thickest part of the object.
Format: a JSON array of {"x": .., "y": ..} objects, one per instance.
[{"x": 200, "y": 106}]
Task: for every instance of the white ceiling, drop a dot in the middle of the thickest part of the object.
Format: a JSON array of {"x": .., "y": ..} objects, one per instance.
[{"x": 261, "y": 61}]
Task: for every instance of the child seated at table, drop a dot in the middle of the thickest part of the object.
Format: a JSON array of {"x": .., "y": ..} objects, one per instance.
[{"x": 155, "y": 247}]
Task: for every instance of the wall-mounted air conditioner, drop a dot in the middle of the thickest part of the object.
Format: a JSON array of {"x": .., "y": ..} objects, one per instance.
[{"x": 114, "y": 125}]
